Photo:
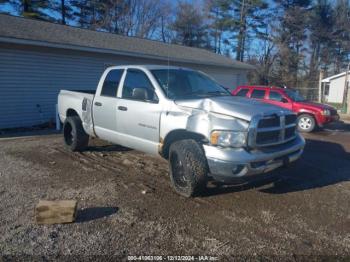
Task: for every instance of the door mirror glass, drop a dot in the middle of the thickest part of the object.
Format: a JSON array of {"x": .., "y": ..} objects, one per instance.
[
  {"x": 284, "y": 100},
  {"x": 144, "y": 94}
]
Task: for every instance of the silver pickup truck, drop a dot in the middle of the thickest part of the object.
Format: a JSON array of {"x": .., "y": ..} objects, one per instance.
[{"x": 185, "y": 117}]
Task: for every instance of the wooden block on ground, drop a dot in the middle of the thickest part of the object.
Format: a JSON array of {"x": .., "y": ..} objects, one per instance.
[{"x": 55, "y": 212}]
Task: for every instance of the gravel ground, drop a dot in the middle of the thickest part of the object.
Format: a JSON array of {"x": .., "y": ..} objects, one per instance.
[{"x": 127, "y": 207}]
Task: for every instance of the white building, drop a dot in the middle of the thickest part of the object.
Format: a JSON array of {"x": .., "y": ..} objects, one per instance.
[
  {"x": 37, "y": 59},
  {"x": 334, "y": 88}
]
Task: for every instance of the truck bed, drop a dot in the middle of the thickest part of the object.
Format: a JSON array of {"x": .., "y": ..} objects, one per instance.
[{"x": 73, "y": 100}]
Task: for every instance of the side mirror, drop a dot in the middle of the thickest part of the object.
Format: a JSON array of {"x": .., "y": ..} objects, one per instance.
[
  {"x": 284, "y": 100},
  {"x": 144, "y": 94}
]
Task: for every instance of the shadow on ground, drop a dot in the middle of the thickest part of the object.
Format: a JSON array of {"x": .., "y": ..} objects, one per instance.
[
  {"x": 107, "y": 148},
  {"x": 322, "y": 164},
  {"x": 339, "y": 126},
  {"x": 93, "y": 213}
]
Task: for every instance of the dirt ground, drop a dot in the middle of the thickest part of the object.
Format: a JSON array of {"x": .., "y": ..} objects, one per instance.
[{"x": 127, "y": 206}]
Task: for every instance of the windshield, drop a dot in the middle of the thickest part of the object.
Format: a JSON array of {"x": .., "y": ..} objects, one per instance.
[
  {"x": 187, "y": 84},
  {"x": 294, "y": 95}
]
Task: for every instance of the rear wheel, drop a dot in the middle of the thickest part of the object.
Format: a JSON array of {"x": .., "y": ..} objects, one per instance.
[
  {"x": 188, "y": 167},
  {"x": 74, "y": 135},
  {"x": 306, "y": 123}
]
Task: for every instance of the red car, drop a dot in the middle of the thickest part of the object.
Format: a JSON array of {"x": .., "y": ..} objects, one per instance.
[{"x": 310, "y": 114}]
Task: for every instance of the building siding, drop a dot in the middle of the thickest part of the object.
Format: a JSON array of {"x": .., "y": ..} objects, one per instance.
[
  {"x": 30, "y": 80},
  {"x": 336, "y": 90}
]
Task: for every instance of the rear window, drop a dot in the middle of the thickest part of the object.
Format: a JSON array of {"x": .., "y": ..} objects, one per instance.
[
  {"x": 111, "y": 83},
  {"x": 242, "y": 92},
  {"x": 258, "y": 93}
]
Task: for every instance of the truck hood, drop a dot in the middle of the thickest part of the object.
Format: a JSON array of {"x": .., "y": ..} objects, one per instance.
[
  {"x": 313, "y": 105},
  {"x": 238, "y": 107}
]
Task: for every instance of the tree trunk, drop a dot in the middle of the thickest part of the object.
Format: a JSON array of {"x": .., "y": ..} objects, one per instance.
[
  {"x": 241, "y": 33},
  {"x": 163, "y": 30},
  {"x": 26, "y": 7},
  {"x": 63, "y": 12}
]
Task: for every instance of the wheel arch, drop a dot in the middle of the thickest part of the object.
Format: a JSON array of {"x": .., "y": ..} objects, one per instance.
[
  {"x": 310, "y": 113},
  {"x": 71, "y": 112},
  {"x": 176, "y": 135}
]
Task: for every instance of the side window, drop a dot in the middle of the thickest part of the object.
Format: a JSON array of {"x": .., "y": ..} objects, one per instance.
[
  {"x": 110, "y": 85},
  {"x": 137, "y": 86},
  {"x": 275, "y": 96},
  {"x": 242, "y": 92},
  {"x": 258, "y": 93}
]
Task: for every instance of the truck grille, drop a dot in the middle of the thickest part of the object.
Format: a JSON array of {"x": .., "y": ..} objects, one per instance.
[{"x": 272, "y": 129}]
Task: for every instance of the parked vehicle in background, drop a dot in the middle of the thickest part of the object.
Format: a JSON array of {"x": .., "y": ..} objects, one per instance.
[
  {"x": 310, "y": 114},
  {"x": 185, "y": 117}
]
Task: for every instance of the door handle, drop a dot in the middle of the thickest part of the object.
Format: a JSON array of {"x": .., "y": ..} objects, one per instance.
[
  {"x": 98, "y": 104},
  {"x": 122, "y": 108}
]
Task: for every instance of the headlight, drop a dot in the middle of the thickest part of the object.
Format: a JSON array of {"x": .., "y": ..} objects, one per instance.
[
  {"x": 326, "y": 112},
  {"x": 228, "y": 138}
]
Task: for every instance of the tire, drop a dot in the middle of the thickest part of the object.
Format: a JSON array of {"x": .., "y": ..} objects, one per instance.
[
  {"x": 306, "y": 123},
  {"x": 74, "y": 135},
  {"x": 188, "y": 167}
]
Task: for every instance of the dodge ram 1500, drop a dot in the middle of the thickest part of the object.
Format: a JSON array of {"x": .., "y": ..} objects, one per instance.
[{"x": 185, "y": 117}]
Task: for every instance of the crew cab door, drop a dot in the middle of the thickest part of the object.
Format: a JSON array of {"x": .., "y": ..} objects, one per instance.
[
  {"x": 277, "y": 98},
  {"x": 105, "y": 106},
  {"x": 138, "y": 113}
]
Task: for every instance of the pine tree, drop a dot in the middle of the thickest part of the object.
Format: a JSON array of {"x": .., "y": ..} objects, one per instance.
[
  {"x": 341, "y": 35},
  {"x": 248, "y": 21},
  {"x": 321, "y": 24},
  {"x": 292, "y": 34},
  {"x": 220, "y": 17},
  {"x": 189, "y": 26},
  {"x": 88, "y": 13}
]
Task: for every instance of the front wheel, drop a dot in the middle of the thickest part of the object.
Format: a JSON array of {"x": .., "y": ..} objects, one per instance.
[
  {"x": 306, "y": 123},
  {"x": 188, "y": 167}
]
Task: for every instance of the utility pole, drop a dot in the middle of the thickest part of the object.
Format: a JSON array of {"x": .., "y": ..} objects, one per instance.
[
  {"x": 320, "y": 92},
  {"x": 346, "y": 102}
]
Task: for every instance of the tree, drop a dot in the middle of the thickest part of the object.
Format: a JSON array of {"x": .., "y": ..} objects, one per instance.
[
  {"x": 248, "y": 20},
  {"x": 189, "y": 26},
  {"x": 341, "y": 35},
  {"x": 321, "y": 24},
  {"x": 220, "y": 21},
  {"x": 30, "y": 8},
  {"x": 292, "y": 34},
  {"x": 63, "y": 9},
  {"x": 88, "y": 13},
  {"x": 141, "y": 18}
]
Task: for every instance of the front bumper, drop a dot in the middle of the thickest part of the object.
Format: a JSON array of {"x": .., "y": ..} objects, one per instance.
[
  {"x": 323, "y": 120},
  {"x": 230, "y": 164}
]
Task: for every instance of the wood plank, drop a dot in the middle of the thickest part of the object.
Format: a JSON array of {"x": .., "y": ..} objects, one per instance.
[{"x": 55, "y": 212}]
